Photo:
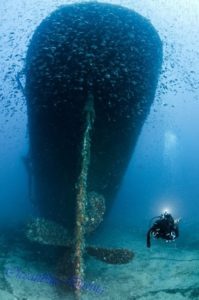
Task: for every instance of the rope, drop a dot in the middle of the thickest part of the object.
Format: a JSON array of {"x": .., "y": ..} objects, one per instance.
[{"x": 82, "y": 198}]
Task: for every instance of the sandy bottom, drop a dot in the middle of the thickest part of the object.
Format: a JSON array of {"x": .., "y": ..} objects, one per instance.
[{"x": 166, "y": 271}]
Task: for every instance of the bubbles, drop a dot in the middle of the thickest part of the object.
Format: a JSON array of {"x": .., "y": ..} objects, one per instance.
[{"x": 170, "y": 142}]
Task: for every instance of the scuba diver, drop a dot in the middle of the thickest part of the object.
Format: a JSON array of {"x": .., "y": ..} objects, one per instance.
[{"x": 165, "y": 228}]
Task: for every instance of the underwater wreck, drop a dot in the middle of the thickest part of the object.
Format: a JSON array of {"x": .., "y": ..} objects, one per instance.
[
  {"x": 111, "y": 52},
  {"x": 91, "y": 75}
]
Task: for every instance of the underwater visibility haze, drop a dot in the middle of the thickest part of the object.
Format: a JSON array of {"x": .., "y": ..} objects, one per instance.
[{"x": 99, "y": 149}]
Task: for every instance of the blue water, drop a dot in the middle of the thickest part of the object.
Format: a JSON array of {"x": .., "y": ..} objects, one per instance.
[{"x": 162, "y": 173}]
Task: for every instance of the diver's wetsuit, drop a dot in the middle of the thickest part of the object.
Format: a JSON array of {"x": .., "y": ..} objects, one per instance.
[{"x": 165, "y": 228}]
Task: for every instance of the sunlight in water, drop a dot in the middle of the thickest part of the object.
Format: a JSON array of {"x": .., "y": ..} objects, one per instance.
[{"x": 170, "y": 142}]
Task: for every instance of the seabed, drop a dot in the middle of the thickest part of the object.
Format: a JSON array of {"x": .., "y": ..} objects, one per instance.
[{"x": 166, "y": 271}]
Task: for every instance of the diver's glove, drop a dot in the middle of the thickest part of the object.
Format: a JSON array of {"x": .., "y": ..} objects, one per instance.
[{"x": 148, "y": 240}]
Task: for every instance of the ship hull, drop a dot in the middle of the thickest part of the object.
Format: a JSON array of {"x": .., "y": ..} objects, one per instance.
[{"x": 103, "y": 49}]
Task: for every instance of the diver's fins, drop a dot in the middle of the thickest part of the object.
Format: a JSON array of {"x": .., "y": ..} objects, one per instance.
[{"x": 148, "y": 239}]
